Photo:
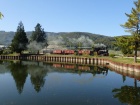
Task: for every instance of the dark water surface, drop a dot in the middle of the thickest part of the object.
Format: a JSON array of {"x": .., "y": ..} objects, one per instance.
[{"x": 38, "y": 83}]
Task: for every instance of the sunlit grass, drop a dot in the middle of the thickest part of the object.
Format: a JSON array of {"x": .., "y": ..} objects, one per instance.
[
  {"x": 124, "y": 60},
  {"x": 115, "y": 52}
]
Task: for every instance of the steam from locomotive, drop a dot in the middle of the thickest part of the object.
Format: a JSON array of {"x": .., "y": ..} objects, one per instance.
[{"x": 79, "y": 46}]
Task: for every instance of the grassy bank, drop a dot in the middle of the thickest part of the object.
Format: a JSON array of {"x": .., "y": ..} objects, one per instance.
[{"x": 127, "y": 60}]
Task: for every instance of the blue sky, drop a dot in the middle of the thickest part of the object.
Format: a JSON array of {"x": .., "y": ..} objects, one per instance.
[{"x": 95, "y": 16}]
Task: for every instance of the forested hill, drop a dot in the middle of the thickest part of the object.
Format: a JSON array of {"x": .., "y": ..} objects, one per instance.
[
  {"x": 6, "y": 37},
  {"x": 95, "y": 37}
]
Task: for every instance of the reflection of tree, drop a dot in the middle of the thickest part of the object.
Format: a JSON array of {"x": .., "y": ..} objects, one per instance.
[
  {"x": 1, "y": 61},
  {"x": 37, "y": 76},
  {"x": 99, "y": 70},
  {"x": 19, "y": 73},
  {"x": 124, "y": 78},
  {"x": 128, "y": 94}
]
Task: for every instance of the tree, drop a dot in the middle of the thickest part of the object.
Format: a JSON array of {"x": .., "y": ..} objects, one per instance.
[
  {"x": 38, "y": 38},
  {"x": 133, "y": 26},
  {"x": 20, "y": 40},
  {"x": 1, "y": 15},
  {"x": 125, "y": 44},
  {"x": 38, "y": 35}
]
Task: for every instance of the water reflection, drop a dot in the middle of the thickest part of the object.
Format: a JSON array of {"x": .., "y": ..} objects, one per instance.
[
  {"x": 128, "y": 94},
  {"x": 82, "y": 68},
  {"x": 19, "y": 73},
  {"x": 37, "y": 71},
  {"x": 124, "y": 78},
  {"x": 53, "y": 83}
]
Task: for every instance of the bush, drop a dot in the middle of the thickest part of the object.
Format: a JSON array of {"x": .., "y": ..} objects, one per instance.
[
  {"x": 95, "y": 54},
  {"x": 130, "y": 55},
  {"x": 1, "y": 51},
  {"x": 112, "y": 55}
]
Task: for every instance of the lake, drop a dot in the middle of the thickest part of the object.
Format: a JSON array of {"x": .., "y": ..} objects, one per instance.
[{"x": 42, "y": 83}]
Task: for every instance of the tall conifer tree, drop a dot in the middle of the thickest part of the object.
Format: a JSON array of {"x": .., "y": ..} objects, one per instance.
[
  {"x": 133, "y": 26},
  {"x": 38, "y": 35},
  {"x": 38, "y": 38},
  {"x": 20, "y": 40}
]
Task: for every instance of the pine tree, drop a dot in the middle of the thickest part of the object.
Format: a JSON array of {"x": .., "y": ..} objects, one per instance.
[
  {"x": 38, "y": 35},
  {"x": 133, "y": 26},
  {"x": 20, "y": 40},
  {"x": 38, "y": 38}
]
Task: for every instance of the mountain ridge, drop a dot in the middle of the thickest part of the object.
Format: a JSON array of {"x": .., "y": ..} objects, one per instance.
[{"x": 6, "y": 37}]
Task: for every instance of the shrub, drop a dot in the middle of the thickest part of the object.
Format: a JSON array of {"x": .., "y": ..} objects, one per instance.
[{"x": 112, "y": 55}]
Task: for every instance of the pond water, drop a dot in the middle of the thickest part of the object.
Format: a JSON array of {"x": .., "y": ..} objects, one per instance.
[{"x": 41, "y": 83}]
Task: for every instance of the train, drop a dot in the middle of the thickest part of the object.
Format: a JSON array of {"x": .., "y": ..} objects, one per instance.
[
  {"x": 81, "y": 52},
  {"x": 68, "y": 52},
  {"x": 98, "y": 50}
]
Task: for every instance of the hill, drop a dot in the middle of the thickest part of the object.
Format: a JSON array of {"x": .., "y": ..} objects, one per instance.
[
  {"x": 6, "y": 37},
  {"x": 95, "y": 37}
]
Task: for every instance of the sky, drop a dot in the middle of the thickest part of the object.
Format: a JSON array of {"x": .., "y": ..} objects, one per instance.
[{"x": 94, "y": 16}]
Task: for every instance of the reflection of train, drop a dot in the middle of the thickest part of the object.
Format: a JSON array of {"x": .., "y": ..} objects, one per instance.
[
  {"x": 71, "y": 66},
  {"x": 84, "y": 68}
]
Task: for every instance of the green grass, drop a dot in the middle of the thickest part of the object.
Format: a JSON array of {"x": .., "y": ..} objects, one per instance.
[
  {"x": 124, "y": 60},
  {"x": 115, "y": 52}
]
